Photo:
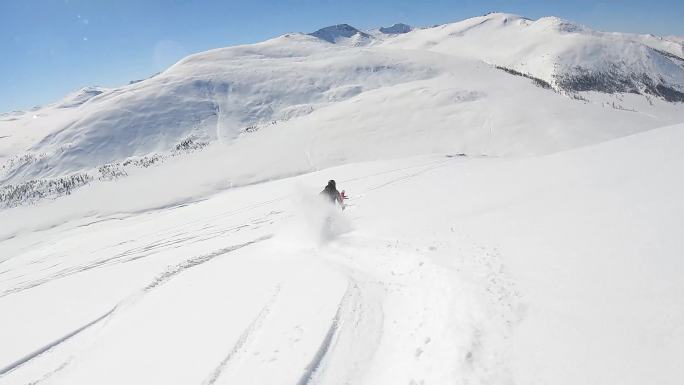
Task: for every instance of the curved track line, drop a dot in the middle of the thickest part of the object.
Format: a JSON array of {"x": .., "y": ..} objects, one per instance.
[
  {"x": 128, "y": 256},
  {"x": 53, "y": 344},
  {"x": 53, "y": 372},
  {"x": 246, "y": 336},
  {"x": 161, "y": 279},
  {"x": 190, "y": 263},
  {"x": 315, "y": 365}
]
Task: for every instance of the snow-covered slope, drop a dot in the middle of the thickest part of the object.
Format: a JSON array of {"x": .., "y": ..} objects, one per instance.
[
  {"x": 569, "y": 56},
  {"x": 422, "y": 78},
  {"x": 562, "y": 269},
  {"x": 405, "y": 90},
  {"x": 502, "y": 227},
  {"x": 208, "y": 96}
]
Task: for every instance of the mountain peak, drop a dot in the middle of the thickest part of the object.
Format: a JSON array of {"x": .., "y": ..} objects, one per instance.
[
  {"x": 396, "y": 29},
  {"x": 559, "y": 24},
  {"x": 334, "y": 33},
  {"x": 503, "y": 17},
  {"x": 80, "y": 96}
]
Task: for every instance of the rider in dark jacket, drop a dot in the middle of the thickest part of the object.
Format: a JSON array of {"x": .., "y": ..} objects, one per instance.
[{"x": 330, "y": 192}]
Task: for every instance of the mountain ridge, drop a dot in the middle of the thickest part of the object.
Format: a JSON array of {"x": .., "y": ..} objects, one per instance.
[{"x": 457, "y": 79}]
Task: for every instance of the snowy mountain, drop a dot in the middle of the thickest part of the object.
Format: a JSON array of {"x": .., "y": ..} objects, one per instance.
[
  {"x": 567, "y": 55},
  {"x": 396, "y": 29},
  {"x": 341, "y": 33},
  {"x": 79, "y": 97},
  {"x": 514, "y": 214},
  {"x": 454, "y": 78}
]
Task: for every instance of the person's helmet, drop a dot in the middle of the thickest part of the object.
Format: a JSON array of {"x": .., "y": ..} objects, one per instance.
[{"x": 331, "y": 183}]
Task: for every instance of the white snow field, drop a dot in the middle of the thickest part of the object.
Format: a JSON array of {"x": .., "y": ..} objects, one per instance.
[
  {"x": 497, "y": 232},
  {"x": 561, "y": 269}
]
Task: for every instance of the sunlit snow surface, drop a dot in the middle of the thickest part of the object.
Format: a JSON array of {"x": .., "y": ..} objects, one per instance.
[
  {"x": 561, "y": 269},
  {"x": 497, "y": 232}
]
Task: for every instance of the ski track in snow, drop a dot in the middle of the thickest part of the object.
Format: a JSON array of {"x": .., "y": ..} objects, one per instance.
[
  {"x": 428, "y": 167},
  {"x": 349, "y": 325},
  {"x": 190, "y": 263},
  {"x": 133, "y": 254},
  {"x": 314, "y": 367},
  {"x": 411, "y": 304},
  {"x": 358, "y": 318},
  {"x": 55, "y": 371},
  {"x": 246, "y": 336},
  {"x": 169, "y": 274},
  {"x": 53, "y": 344},
  {"x": 314, "y": 371}
]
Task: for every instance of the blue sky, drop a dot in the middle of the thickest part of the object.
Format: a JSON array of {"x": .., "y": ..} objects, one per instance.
[{"x": 51, "y": 47}]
